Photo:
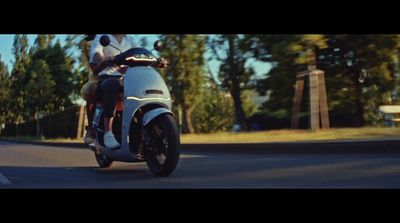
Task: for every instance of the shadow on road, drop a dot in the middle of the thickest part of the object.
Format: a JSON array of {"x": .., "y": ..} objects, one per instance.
[{"x": 222, "y": 171}]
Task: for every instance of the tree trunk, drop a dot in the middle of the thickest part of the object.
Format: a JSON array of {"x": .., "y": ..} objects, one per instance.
[
  {"x": 240, "y": 118},
  {"x": 37, "y": 125},
  {"x": 235, "y": 91},
  {"x": 359, "y": 115},
  {"x": 187, "y": 120},
  {"x": 359, "y": 106}
]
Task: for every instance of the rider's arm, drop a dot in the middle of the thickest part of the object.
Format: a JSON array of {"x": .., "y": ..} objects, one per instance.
[
  {"x": 96, "y": 63},
  {"x": 100, "y": 63},
  {"x": 97, "y": 60}
]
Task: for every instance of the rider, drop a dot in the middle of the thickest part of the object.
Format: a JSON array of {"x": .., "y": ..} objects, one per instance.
[
  {"x": 88, "y": 93},
  {"x": 109, "y": 77}
]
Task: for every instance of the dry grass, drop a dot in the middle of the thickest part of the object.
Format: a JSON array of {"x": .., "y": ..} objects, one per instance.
[
  {"x": 292, "y": 135},
  {"x": 273, "y": 136}
]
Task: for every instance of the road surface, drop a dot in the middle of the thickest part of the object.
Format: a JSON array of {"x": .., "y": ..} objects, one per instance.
[{"x": 34, "y": 166}]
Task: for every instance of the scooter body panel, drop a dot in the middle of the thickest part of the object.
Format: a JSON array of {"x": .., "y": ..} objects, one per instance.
[{"x": 142, "y": 86}]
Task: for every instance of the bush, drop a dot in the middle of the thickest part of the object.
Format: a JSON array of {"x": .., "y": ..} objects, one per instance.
[
  {"x": 60, "y": 125},
  {"x": 214, "y": 113}
]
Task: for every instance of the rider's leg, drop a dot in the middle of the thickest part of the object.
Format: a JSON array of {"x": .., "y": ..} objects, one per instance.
[
  {"x": 108, "y": 121},
  {"x": 90, "y": 97},
  {"x": 90, "y": 111},
  {"x": 91, "y": 102},
  {"x": 110, "y": 88}
]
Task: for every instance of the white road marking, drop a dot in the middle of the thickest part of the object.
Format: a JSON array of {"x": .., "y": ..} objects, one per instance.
[{"x": 3, "y": 179}]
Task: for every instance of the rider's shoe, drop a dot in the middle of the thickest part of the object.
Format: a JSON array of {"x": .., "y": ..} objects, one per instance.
[
  {"x": 109, "y": 141},
  {"x": 140, "y": 155},
  {"x": 88, "y": 136}
]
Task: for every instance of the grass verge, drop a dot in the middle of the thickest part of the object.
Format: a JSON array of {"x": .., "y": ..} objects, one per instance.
[{"x": 266, "y": 136}]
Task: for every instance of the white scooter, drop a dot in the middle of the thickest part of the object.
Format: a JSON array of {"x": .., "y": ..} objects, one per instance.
[{"x": 144, "y": 124}]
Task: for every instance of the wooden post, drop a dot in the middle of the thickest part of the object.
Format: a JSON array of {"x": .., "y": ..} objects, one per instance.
[
  {"x": 323, "y": 105},
  {"x": 298, "y": 97},
  {"x": 180, "y": 119},
  {"x": 80, "y": 122},
  {"x": 311, "y": 58},
  {"x": 319, "y": 116},
  {"x": 314, "y": 101}
]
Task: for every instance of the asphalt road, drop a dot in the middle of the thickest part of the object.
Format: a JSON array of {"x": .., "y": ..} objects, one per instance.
[{"x": 34, "y": 166}]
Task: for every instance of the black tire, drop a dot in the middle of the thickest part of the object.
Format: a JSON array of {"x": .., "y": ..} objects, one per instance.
[
  {"x": 163, "y": 135},
  {"x": 103, "y": 160}
]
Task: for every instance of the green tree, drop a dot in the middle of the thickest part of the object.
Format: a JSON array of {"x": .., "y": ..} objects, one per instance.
[
  {"x": 40, "y": 89},
  {"x": 79, "y": 49},
  {"x": 282, "y": 52},
  {"x": 377, "y": 57},
  {"x": 215, "y": 111},
  {"x": 234, "y": 75},
  {"x": 5, "y": 93},
  {"x": 61, "y": 70},
  {"x": 249, "y": 107},
  {"x": 18, "y": 78},
  {"x": 43, "y": 41},
  {"x": 78, "y": 43},
  {"x": 185, "y": 76},
  {"x": 61, "y": 66},
  {"x": 344, "y": 58}
]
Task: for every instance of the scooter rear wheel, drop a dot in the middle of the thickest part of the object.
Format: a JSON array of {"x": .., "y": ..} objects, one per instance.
[{"x": 103, "y": 160}]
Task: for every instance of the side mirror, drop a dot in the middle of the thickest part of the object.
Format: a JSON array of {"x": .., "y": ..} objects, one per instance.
[
  {"x": 105, "y": 40},
  {"x": 158, "y": 45}
]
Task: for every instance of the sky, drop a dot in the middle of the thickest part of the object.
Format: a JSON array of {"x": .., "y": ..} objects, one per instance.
[{"x": 6, "y": 41}]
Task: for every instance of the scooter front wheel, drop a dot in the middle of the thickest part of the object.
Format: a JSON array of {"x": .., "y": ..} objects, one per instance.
[{"x": 162, "y": 150}]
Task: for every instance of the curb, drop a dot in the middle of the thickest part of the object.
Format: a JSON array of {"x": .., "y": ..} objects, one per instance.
[
  {"x": 56, "y": 144},
  {"x": 377, "y": 146},
  {"x": 370, "y": 147}
]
